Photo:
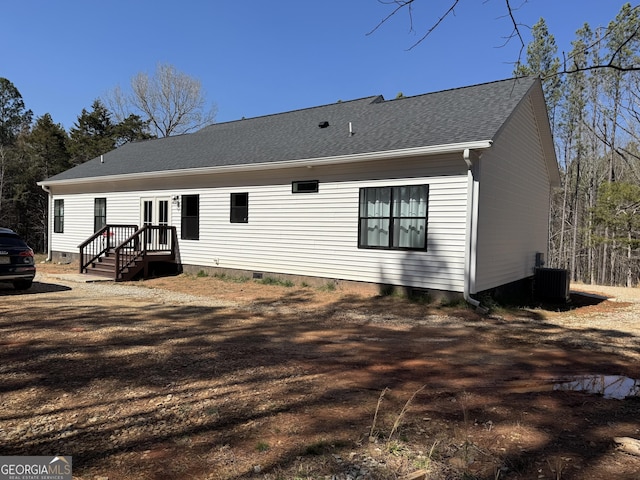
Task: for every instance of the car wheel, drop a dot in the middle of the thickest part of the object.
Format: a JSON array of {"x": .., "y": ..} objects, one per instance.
[{"x": 22, "y": 284}]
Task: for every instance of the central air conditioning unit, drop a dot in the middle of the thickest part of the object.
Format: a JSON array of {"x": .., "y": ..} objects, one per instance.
[{"x": 552, "y": 285}]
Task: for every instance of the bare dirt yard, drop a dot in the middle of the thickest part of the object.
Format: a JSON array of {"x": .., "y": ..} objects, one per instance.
[{"x": 199, "y": 377}]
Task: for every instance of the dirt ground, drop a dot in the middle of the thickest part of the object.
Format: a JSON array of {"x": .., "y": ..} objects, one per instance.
[{"x": 199, "y": 377}]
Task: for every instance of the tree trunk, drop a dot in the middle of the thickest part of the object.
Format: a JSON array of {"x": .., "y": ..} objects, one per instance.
[
  {"x": 612, "y": 266},
  {"x": 2, "y": 170},
  {"x": 605, "y": 251},
  {"x": 590, "y": 249},
  {"x": 576, "y": 210},
  {"x": 562, "y": 250},
  {"x": 629, "y": 272}
]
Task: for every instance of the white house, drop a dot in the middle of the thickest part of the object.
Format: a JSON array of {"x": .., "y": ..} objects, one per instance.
[{"x": 447, "y": 191}]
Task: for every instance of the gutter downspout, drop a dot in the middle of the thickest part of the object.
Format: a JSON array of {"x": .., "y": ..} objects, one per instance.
[
  {"x": 470, "y": 156},
  {"x": 49, "y": 241}
]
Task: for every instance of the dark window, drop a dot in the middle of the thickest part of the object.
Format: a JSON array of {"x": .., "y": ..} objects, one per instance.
[
  {"x": 190, "y": 227},
  {"x": 239, "y": 208},
  {"x": 58, "y": 216},
  {"x": 308, "y": 186},
  {"x": 99, "y": 213},
  {"x": 394, "y": 217}
]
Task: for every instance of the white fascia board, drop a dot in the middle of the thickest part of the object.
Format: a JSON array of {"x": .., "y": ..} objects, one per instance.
[{"x": 308, "y": 162}]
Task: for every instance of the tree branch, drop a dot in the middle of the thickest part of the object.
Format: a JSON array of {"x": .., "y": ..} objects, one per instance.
[
  {"x": 435, "y": 25},
  {"x": 623, "y": 44},
  {"x": 515, "y": 34},
  {"x": 408, "y": 4},
  {"x": 632, "y": 68},
  {"x": 622, "y": 152},
  {"x": 400, "y": 5}
]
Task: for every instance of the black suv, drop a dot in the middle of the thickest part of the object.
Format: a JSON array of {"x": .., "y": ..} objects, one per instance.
[{"x": 16, "y": 260}]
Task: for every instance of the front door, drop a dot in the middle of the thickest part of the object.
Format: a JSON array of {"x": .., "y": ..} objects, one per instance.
[{"x": 155, "y": 212}]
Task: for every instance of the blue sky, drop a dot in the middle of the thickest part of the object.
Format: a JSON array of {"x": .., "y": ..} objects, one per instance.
[{"x": 257, "y": 57}]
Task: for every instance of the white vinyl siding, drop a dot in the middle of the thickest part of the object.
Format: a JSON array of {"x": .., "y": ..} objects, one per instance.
[
  {"x": 513, "y": 204},
  {"x": 309, "y": 235},
  {"x": 78, "y": 223}
]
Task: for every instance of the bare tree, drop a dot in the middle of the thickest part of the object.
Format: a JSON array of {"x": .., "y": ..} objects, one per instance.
[{"x": 172, "y": 101}]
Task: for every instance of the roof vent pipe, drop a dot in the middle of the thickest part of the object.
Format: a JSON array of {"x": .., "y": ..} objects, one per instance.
[
  {"x": 324, "y": 124},
  {"x": 101, "y": 158},
  {"x": 351, "y": 132}
]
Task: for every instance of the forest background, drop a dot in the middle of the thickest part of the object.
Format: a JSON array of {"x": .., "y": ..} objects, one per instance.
[{"x": 593, "y": 100}]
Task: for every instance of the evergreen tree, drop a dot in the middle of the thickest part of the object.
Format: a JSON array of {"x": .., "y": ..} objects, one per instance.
[
  {"x": 542, "y": 61},
  {"x": 618, "y": 210},
  {"x": 92, "y": 134},
  {"x": 13, "y": 115},
  {"x": 131, "y": 129},
  {"x": 42, "y": 153},
  {"x": 95, "y": 133},
  {"x": 570, "y": 134},
  {"x": 48, "y": 148},
  {"x": 594, "y": 126},
  {"x": 622, "y": 43},
  {"x": 14, "y": 118}
]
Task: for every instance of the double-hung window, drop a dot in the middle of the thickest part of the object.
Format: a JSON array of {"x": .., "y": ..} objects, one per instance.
[
  {"x": 190, "y": 225},
  {"x": 99, "y": 213},
  {"x": 58, "y": 216},
  {"x": 239, "y": 208},
  {"x": 394, "y": 217}
]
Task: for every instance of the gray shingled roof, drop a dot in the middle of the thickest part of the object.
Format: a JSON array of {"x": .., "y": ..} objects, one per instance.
[{"x": 459, "y": 115}]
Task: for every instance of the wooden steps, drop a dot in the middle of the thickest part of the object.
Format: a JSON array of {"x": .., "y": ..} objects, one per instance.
[
  {"x": 105, "y": 266},
  {"x": 133, "y": 251}
]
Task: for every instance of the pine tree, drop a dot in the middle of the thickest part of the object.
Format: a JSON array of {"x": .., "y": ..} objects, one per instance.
[
  {"x": 14, "y": 118},
  {"x": 542, "y": 60},
  {"x": 43, "y": 153},
  {"x": 571, "y": 135},
  {"x": 13, "y": 115},
  {"x": 95, "y": 133}
]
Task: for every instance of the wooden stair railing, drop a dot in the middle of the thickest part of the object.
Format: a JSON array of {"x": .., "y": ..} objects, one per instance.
[
  {"x": 122, "y": 251},
  {"x": 149, "y": 243},
  {"x": 101, "y": 242}
]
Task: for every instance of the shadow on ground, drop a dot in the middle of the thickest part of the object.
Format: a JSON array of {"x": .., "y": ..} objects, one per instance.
[
  {"x": 6, "y": 289},
  {"x": 577, "y": 300},
  {"x": 136, "y": 389}
]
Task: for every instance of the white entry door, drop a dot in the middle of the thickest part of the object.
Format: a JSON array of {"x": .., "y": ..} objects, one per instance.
[{"x": 154, "y": 211}]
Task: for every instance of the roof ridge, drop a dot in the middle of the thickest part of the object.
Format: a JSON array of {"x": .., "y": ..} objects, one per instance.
[
  {"x": 373, "y": 98},
  {"x": 464, "y": 87}
]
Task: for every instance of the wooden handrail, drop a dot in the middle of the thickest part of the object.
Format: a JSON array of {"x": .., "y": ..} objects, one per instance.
[
  {"x": 146, "y": 240},
  {"x": 131, "y": 250},
  {"x": 101, "y": 242}
]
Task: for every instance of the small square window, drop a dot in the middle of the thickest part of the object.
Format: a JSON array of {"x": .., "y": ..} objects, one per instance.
[{"x": 305, "y": 186}]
